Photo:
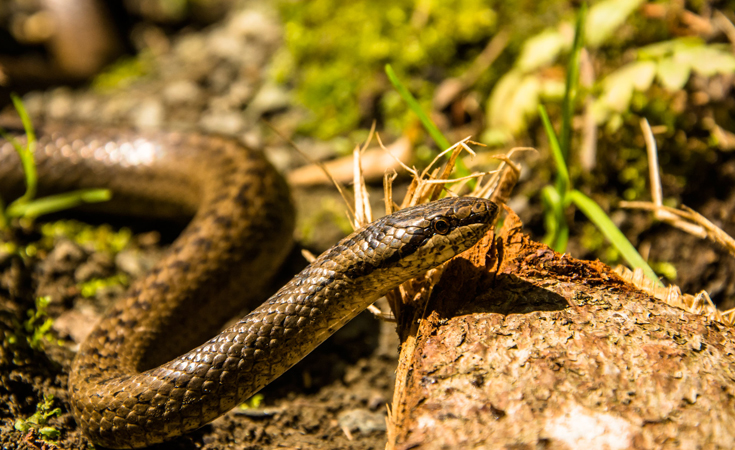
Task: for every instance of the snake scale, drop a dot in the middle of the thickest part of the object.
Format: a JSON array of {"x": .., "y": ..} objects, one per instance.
[{"x": 124, "y": 391}]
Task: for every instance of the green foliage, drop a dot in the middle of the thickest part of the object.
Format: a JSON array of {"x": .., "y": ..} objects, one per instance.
[
  {"x": 39, "y": 420},
  {"x": 514, "y": 100},
  {"x": 101, "y": 238},
  {"x": 558, "y": 197},
  {"x": 124, "y": 72},
  {"x": 336, "y": 51},
  {"x": 414, "y": 106},
  {"x": 27, "y": 206},
  {"x": 90, "y": 288},
  {"x": 36, "y": 330},
  {"x": 428, "y": 125},
  {"x": 254, "y": 402},
  {"x": 670, "y": 63}
]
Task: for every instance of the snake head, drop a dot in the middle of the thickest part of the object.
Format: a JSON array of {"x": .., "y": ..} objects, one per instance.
[{"x": 409, "y": 242}]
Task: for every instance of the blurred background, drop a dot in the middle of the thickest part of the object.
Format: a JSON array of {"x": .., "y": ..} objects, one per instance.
[{"x": 315, "y": 71}]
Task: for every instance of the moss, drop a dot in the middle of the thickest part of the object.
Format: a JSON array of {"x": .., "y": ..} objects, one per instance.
[
  {"x": 101, "y": 238},
  {"x": 91, "y": 287},
  {"x": 38, "y": 422},
  {"x": 36, "y": 329},
  {"x": 124, "y": 72},
  {"x": 339, "y": 49}
]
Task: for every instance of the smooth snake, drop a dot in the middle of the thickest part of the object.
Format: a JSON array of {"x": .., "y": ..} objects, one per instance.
[{"x": 123, "y": 394}]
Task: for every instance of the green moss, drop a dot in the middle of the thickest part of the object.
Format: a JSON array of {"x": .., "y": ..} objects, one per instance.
[
  {"x": 101, "y": 238},
  {"x": 39, "y": 421},
  {"x": 36, "y": 330},
  {"x": 254, "y": 402},
  {"x": 336, "y": 51},
  {"x": 665, "y": 269},
  {"x": 124, "y": 72},
  {"x": 90, "y": 288}
]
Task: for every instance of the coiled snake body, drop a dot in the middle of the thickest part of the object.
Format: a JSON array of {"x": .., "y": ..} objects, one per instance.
[{"x": 123, "y": 394}]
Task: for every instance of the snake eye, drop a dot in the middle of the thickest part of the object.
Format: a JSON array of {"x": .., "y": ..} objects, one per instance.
[{"x": 441, "y": 226}]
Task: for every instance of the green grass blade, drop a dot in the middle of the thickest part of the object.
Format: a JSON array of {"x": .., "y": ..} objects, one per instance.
[
  {"x": 55, "y": 203},
  {"x": 570, "y": 90},
  {"x": 593, "y": 211},
  {"x": 414, "y": 106},
  {"x": 557, "y": 231},
  {"x": 24, "y": 117},
  {"x": 26, "y": 154},
  {"x": 428, "y": 125},
  {"x": 562, "y": 177},
  {"x": 3, "y": 217}
]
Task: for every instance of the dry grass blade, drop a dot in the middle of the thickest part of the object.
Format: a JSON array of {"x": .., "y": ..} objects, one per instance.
[
  {"x": 687, "y": 220},
  {"x": 671, "y": 295},
  {"x": 388, "y": 179},
  {"x": 427, "y": 185},
  {"x": 363, "y": 212},
  {"x": 504, "y": 180}
]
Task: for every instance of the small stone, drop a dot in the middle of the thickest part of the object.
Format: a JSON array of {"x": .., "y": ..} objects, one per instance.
[
  {"x": 61, "y": 104},
  {"x": 134, "y": 263},
  {"x": 226, "y": 46},
  {"x": 362, "y": 420},
  {"x": 240, "y": 93},
  {"x": 76, "y": 323},
  {"x": 256, "y": 24},
  {"x": 220, "y": 78},
  {"x": 269, "y": 98},
  {"x": 65, "y": 257},
  {"x": 87, "y": 108},
  {"x": 99, "y": 265},
  {"x": 182, "y": 92},
  {"x": 34, "y": 103},
  {"x": 148, "y": 116},
  {"x": 226, "y": 122},
  {"x": 191, "y": 48},
  {"x": 377, "y": 401}
]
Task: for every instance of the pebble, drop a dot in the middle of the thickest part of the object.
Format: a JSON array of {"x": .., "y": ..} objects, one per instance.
[
  {"x": 99, "y": 265},
  {"x": 363, "y": 420},
  {"x": 270, "y": 97},
  {"x": 65, "y": 257},
  {"x": 213, "y": 80},
  {"x": 60, "y": 103},
  {"x": 148, "y": 115},
  {"x": 255, "y": 24},
  {"x": 226, "y": 122},
  {"x": 182, "y": 92},
  {"x": 226, "y": 46}
]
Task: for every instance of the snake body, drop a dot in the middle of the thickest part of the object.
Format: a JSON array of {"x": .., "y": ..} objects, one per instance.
[{"x": 123, "y": 395}]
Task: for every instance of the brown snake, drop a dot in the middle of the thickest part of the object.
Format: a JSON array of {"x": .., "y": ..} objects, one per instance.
[{"x": 122, "y": 394}]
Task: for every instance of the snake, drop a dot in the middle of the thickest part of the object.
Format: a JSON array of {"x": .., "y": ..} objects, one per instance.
[{"x": 126, "y": 390}]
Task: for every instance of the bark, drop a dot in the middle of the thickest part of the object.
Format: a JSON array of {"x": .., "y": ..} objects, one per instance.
[{"x": 521, "y": 347}]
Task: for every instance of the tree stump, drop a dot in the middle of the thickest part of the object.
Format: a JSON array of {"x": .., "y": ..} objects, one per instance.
[{"x": 521, "y": 347}]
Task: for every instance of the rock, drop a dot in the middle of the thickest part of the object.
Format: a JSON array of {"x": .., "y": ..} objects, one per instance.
[
  {"x": 226, "y": 122},
  {"x": 148, "y": 115},
  {"x": 270, "y": 97},
  {"x": 182, "y": 92},
  {"x": 363, "y": 420},
  {"x": 60, "y": 104}
]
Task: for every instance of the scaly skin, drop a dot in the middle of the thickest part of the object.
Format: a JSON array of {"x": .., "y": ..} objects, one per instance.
[{"x": 120, "y": 395}]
